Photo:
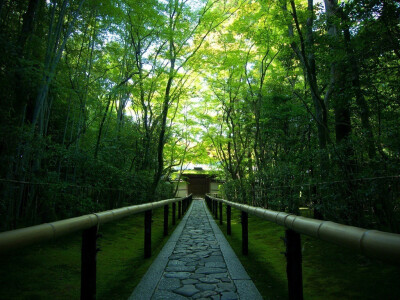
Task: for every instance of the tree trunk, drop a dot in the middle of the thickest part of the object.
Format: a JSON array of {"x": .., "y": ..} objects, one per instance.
[
  {"x": 52, "y": 61},
  {"x": 96, "y": 151},
  {"x": 320, "y": 109},
  {"x": 307, "y": 58},
  {"x": 166, "y": 104},
  {"x": 355, "y": 78},
  {"x": 21, "y": 94},
  {"x": 339, "y": 85},
  {"x": 338, "y": 74}
]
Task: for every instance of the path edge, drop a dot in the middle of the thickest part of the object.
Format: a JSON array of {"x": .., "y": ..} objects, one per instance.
[
  {"x": 246, "y": 288},
  {"x": 147, "y": 285}
]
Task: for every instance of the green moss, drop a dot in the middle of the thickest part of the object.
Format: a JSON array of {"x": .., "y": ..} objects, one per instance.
[
  {"x": 329, "y": 271},
  {"x": 52, "y": 270}
]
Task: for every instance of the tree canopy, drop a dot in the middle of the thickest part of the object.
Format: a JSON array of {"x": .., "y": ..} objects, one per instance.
[{"x": 294, "y": 103}]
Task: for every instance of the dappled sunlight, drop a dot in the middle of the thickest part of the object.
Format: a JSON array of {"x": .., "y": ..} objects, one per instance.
[{"x": 287, "y": 105}]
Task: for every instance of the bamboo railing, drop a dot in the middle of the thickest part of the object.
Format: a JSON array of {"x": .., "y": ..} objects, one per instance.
[
  {"x": 19, "y": 238},
  {"x": 373, "y": 243}
]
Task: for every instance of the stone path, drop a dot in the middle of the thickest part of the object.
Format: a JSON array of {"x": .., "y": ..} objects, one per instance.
[{"x": 197, "y": 263}]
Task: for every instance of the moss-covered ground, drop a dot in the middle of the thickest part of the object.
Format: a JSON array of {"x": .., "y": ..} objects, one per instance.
[
  {"x": 52, "y": 270},
  {"x": 329, "y": 271}
]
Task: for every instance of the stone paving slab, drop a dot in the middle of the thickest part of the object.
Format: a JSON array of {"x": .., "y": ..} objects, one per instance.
[{"x": 196, "y": 263}]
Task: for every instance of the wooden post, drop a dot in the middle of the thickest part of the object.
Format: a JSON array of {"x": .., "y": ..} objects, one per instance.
[
  {"x": 88, "y": 263},
  {"x": 216, "y": 209},
  {"x": 220, "y": 213},
  {"x": 173, "y": 213},
  {"x": 179, "y": 209},
  {"x": 147, "y": 233},
  {"x": 245, "y": 233},
  {"x": 293, "y": 266},
  {"x": 228, "y": 220},
  {"x": 166, "y": 219}
]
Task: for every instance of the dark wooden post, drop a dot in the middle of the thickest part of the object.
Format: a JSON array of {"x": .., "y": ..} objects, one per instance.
[
  {"x": 220, "y": 213},
  {"x": 245, "y": 233},
  {"x": 166, "y": 208},
  {"x": 228, "y": 220},
  {"x": 293, "y": 266},
  {"x": 173, "y": 213},
  {"x": 214, "y": 206},
  {"x": 216, "y": 209},
  {"x": 88, "y": 263},
  {"x": 147, "y": 233},
  {"x": 179, "y": 209}
]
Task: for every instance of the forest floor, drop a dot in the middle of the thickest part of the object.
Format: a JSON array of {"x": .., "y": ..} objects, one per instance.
[
  {"x": 329, "y": 271},
  {"x": 52, "y": 270}
]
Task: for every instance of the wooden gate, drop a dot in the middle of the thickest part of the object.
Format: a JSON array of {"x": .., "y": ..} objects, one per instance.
[{"x": 198, "y": 185}]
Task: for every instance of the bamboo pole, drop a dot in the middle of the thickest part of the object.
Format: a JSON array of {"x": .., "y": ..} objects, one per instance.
[{"x": 372, "y": 243}]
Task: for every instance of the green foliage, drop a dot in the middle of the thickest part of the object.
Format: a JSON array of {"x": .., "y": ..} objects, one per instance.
[
  {"x": 294, "y": 104},
  {"x": 275, "y": 145},
  {"x": 90, "y": 101}
]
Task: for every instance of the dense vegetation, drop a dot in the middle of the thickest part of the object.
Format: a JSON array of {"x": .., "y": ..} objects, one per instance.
[
  {"x": 308, "y": 107},
  {"x": 92, "y": 94},
  {"x": 296, "y": 102}
]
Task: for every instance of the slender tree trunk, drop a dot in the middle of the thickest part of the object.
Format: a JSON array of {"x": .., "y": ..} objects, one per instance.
[
  {"x": 23, "y": 97},
  {"x": 338, "y": 72},
  {"x": 53, "y": 61},
  {"x": 164, "y": 113},
  {"x": 360, "y": 99},
  {"x": 320, "y": 110},
  {"x": 307, "y": 58},
  {"x": 1, "y": 6},
  {"x": 81, "y": 129},
  {"x": 96, "y": 151}
]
